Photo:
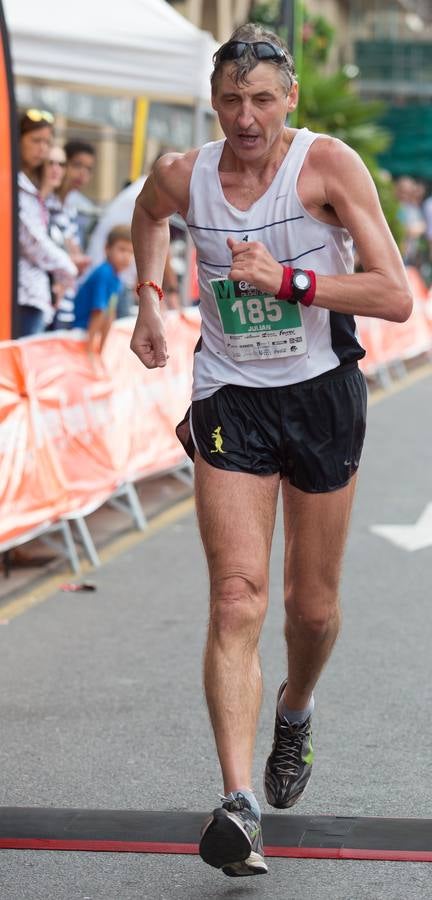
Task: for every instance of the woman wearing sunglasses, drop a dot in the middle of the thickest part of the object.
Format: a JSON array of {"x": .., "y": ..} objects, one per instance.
[
  {"x": 39, "y": 256},
  {"x": 278, "y": 400}
]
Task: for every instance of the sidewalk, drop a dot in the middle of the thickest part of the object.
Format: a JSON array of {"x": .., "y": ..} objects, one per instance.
[{"x": 35, "y": 561}]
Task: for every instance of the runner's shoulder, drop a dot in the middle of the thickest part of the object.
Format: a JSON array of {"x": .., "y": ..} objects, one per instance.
[
  {"x": 331, "y": 155},
  {"x": 173, "y": 171}
]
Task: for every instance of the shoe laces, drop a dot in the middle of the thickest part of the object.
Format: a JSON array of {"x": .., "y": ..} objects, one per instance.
[
  {"x": 236, "y": 805},
  {"x": 288, "y": 746}
]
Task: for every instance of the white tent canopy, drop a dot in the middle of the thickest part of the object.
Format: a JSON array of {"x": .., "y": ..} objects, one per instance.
[{"x": 140, "y": 46}]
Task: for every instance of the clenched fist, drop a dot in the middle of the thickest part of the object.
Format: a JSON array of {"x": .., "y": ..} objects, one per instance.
[
  {"x": 252, "y": 262},
  {"x": 148, "y": 339}
]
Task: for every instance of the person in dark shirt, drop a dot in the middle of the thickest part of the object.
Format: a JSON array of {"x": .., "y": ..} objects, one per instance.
[
  {"x": 96, "y": 299},
  {"x": 80, "y": 164}
]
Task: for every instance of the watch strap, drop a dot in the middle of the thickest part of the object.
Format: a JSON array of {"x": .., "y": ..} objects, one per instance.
[
  {"x": 309, "y": 296},
  {"x": 286, "y": 291}
]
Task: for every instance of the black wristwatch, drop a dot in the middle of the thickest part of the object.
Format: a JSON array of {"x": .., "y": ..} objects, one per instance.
[{"x": 300, "y": 283}]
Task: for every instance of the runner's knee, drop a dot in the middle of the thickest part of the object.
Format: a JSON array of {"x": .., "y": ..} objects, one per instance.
[
  {"x": 312, "y": 613},
  {"x": 237, "y": 603}
]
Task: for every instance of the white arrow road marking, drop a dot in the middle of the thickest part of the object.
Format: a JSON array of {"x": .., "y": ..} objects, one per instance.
[{"x": 409, "y": 537}]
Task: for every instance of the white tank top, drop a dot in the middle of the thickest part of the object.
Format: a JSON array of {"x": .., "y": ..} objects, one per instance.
[{"x": 295, "y": 238}]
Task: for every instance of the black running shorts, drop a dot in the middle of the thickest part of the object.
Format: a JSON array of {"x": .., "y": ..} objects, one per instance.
[{"x": 311, "y": 433}]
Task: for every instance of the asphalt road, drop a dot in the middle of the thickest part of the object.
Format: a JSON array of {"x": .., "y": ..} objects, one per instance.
[{"x": 102, "y": 704}]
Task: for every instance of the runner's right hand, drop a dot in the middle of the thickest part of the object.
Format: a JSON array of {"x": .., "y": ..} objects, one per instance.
[{"x": 148, "y": 339}]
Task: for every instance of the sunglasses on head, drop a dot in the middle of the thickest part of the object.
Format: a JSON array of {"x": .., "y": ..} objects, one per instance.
[
  {"x": 40, "y": 115},
  {"x": 261, "y": 50}
]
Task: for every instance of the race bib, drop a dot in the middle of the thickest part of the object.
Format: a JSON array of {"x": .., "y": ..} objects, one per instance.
[{"x": 255, "y": 325}]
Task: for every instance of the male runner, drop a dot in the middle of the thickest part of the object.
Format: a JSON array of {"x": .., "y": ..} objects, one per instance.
[{"x": 278, "y": 399}]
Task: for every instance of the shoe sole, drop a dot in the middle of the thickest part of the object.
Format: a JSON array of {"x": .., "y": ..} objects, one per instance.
[
  {"x": 253, "y": 865},
  {"x": 225, "y": 845}
]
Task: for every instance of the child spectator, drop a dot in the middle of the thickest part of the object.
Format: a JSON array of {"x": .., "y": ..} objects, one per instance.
[{"x": 96, "y": 300}]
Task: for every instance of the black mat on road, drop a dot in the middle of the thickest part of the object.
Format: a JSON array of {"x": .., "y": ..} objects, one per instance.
[{"x": 144, "y": 831}]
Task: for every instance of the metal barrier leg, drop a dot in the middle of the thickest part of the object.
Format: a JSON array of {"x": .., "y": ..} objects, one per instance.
[
  {"x": 135, "y": 506},
  {"x": 185, "y": 474},
  {"x": 400, "y": 368},
  {"x": 383, "y": 377},
  {"x": 130, "y": 504},
  {"x": 69, "y": 542},
  {"x": 87, "y": 541}
]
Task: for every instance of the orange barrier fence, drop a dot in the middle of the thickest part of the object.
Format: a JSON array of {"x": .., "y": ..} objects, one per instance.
[
  {"x": 73, "y": 429},
  {"x": 387, "y": 343}
]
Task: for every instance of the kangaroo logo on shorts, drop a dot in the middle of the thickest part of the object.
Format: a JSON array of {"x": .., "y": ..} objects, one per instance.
[{"x": 218, "y": 440}]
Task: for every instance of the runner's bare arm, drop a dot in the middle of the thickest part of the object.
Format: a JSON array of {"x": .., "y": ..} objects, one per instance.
[
  {"x": 382, "y": 289},
  {"x": 165, "y": 191},
  {"x": 338, "y": 183}
]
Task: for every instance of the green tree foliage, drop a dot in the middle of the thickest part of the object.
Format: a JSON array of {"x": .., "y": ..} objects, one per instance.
[{"x": 329, "y": 103}]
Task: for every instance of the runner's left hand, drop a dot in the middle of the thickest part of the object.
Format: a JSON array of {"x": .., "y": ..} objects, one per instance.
[{"x": 253, "y": 263}]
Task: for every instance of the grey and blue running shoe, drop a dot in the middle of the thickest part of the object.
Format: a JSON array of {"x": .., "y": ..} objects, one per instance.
[
  {"x": 231, "y": 839},
  {"x": 289, "y": 766}
]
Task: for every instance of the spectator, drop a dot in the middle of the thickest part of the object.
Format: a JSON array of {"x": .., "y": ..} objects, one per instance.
[
  {"x": 63, "y": 230},
  {"x": 52, "y": 171},
  {"x": 80, "y": 160},
  {"x": 411, "y": 217},
  {"x": 424, "y": 258},
  {"x": 97, "y": 298},
  {"x": 427, "y": 212},
  {"x": 121, "y": 209},
  {"x": 39, "y": 256}
]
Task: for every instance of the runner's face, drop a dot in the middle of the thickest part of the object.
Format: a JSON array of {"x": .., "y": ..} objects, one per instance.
[{"x": 252, "y": 115}]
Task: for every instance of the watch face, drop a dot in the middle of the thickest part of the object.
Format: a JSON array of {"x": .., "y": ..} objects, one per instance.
[{"x": 301, "y": 281}]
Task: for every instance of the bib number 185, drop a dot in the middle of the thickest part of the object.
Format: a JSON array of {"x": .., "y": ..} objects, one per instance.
[{"x": 256, "y": 310}]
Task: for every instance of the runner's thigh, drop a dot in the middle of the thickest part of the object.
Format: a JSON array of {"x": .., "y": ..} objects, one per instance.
[
  {"x": 236, "y": 514},
  {"x": 316, "y": 528}
]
